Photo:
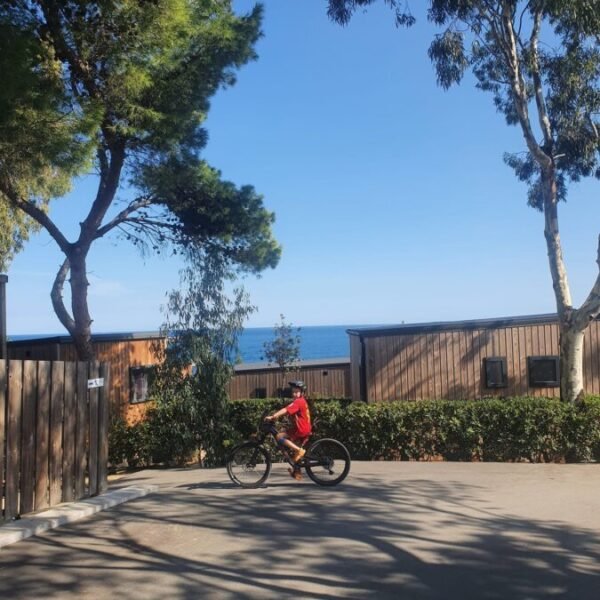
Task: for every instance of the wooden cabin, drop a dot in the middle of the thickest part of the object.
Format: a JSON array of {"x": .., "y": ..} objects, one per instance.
[
  {"x": 130, "y": 356},
  {"x": 324, "y": 378},
  {"x": 513, "y": 356}
]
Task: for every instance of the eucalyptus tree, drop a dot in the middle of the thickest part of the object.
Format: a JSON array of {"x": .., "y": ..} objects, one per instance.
[
  {"x": 284, "y": 349},
  {"x": 123, "y": 87},
  {"x": 203, "y": 321},
  {"x": 540, "y": 60}
]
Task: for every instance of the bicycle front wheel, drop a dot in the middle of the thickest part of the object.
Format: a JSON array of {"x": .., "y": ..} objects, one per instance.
[
  {"x": 249, "y": 465},
  {"x": 327, "y": 462}
]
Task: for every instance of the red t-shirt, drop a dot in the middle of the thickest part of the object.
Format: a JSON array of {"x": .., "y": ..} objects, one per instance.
[{"x": 300, "y": 414}]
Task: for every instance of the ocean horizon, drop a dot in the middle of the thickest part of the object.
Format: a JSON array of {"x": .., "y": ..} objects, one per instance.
[{"x": 316, "y": 341}]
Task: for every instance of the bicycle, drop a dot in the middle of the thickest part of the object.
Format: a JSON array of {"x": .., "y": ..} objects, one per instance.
[{"x": 327, "y": 461}]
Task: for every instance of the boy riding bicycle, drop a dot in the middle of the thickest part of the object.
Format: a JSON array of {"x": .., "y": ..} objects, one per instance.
[{"x": 296, "y": 436}]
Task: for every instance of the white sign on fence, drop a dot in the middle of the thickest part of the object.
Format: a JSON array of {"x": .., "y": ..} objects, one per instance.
[{"x": 95, "y": 383}]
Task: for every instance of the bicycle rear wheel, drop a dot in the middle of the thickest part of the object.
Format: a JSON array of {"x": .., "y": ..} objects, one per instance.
[
  {"x": 249, "y": 465},
  {"x": 327, "y": 462}
]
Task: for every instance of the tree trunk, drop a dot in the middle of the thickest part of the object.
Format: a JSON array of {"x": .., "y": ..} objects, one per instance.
[
  {"x": 571, "y": 363},
  {"x": 82, "y": 330}
]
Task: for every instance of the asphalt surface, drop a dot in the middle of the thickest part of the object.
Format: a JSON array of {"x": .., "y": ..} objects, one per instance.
[{"x": 391, "y": 530}]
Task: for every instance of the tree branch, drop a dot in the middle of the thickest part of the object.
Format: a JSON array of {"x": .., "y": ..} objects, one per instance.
[
  {"x": 35, "y": 213},
  {"x": 57, "y": 298},
  {"x": 122, "y": 217},
  {"x": 78, "y": 66},
  {"x": 520, "y": 93},
  {"x": 537, "y": 82},
  {"x": 590, "y": 309},
  {"x": 109, "y": 183}
]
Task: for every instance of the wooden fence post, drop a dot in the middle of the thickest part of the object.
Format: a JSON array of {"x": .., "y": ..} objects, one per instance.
[
  {"x": 2, "y": 430},
  {"x": 93, "y": 409},
  {"x": 82, "y": 430},
  {"x": 42, "y": 461},
  {"x": 70, "y": 421},
  {"x": 103, "y": 415},
  {"x": 28, "y": 441},
  {"x": 56, "y": 431},
  {"x": 13, "y": 438}
]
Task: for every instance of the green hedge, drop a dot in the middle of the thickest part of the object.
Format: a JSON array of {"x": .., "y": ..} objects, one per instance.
[{"x": 513, "y": 429}]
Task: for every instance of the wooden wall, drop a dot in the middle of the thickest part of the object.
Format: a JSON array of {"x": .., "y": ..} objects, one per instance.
[
  {"x": 119, "y": 354},
  {"x": 355, "y": 367},
  {"x": 326, "y": 379},
  {"x": 448, "y": 364}
]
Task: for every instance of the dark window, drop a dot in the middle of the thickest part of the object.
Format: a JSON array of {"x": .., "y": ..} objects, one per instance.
[
  {"x": 543, "y": 371},
  {"x": 495, "y": 372},
  {"x": 140, "y": 379}
]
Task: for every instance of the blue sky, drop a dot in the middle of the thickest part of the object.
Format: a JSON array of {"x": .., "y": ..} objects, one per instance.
[{"x": 391, "y": 197}]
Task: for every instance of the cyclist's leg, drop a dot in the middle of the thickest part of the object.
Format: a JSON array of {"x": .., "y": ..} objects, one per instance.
[{"x": 287, "y": 439}]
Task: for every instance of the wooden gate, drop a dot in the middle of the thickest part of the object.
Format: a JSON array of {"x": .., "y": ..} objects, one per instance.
[{"x": 53, "y": 433}]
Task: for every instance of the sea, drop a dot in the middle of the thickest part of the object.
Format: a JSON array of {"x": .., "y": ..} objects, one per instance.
[{"x": 316, "y": 341}]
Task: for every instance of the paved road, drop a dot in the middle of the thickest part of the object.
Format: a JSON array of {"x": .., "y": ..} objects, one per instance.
[{"x": 392, "y": 530}]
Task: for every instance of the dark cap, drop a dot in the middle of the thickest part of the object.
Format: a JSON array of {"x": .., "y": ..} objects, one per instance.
[{"x": 297, "y": 384}]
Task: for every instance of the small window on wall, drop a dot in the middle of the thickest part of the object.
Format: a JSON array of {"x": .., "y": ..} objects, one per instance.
[
  {"x": 543, "y": 371},
  {"x": 139, "y": 383},
  {"x": 495, "y": 372}
]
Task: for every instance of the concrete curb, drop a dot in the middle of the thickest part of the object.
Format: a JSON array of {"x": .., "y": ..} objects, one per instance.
[{"x": 68, "y": 513}]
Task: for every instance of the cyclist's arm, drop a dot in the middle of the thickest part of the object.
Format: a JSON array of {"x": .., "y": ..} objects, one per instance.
[{"x": 278, "y": 414}]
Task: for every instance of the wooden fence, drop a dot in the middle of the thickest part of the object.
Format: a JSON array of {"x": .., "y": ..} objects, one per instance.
[{"x": 53, "y": 434}]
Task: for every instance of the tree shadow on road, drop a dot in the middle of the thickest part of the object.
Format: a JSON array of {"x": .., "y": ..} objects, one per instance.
[{"x": 420, "y": 540}]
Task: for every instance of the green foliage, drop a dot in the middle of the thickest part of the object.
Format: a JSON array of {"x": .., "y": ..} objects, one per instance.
[
  {"x": 42, "y": 143},
  {"x": 556, "y": 60},
  {"x": 284, "y": 349},
  {"x": 190, "y": 388},
  {"x": 129, "y": 443},
  {"x": 514, "y": 429},
  {"x": 123, "y": 87},
  {"x": 509, "y": 430}
]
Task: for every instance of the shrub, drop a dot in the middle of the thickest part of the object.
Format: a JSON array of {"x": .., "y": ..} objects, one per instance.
[
  {"x": 512, "y": 429},
  {"x": 128, "y": 443}
]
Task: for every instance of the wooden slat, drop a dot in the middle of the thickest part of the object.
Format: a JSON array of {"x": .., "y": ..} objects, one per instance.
[
  {"x": 56, "y": 431},
  {"x": 481, "y": 342},
  {"x": 2, "y": 434},
  {"x": 93, "y": 431},
  {"x": 453, "y": 365},
  {"x": 13, "y": 438},
  {"x": 396, "y": 367},
  {"x": 410, "y": 367},
  {"x": 42, "y": 455},
  {"x": 103, "y": 418},
  {"x": 28, "y": 440},
  {"x": 82, "y": 430},
  {"x": 443, "y": 356},
  {"x": 522, "y": 362},
  {"x": 437, "y": 366},
  {"x": 514, "y": 374},
  {"x": 503, "y": 353},
  {"x": 70, "y": 423},
  {"x": 424, "y": 359}
]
